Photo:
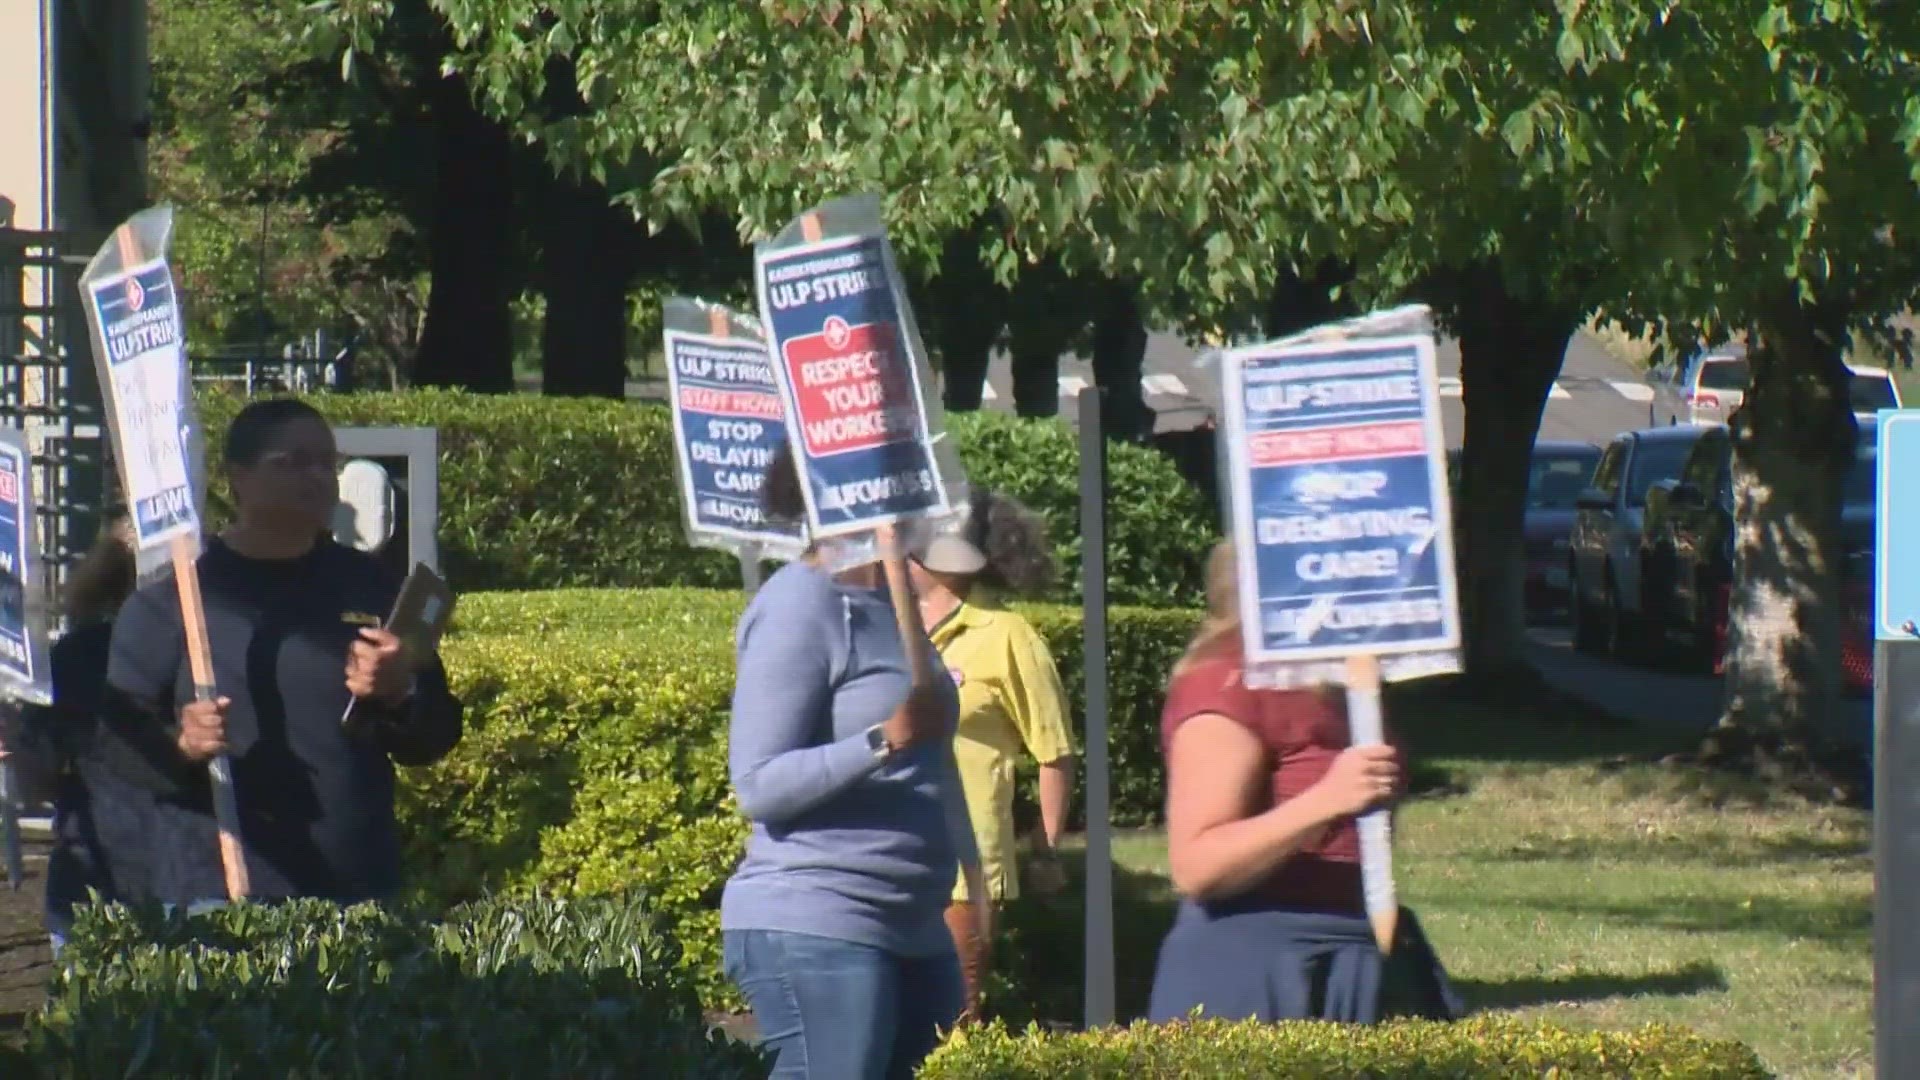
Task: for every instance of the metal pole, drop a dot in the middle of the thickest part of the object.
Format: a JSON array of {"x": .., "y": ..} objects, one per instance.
[
  {"x": 1093, "y": 570},
  {"x": 750, "y": 569},
  {"x": 10, "y": 825},
  {"x": 1896, "y": 858}
]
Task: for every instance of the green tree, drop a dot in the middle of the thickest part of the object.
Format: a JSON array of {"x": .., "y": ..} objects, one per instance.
[
  {"x": 274, "y": 239},
  {"x": 1777, "y": 149}
]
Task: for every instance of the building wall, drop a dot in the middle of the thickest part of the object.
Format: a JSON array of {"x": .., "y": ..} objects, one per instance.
[
  {"x": 74, "y": 82},
  {"x": 74, "y": 88},
  {"x": 24, "y": 109}
]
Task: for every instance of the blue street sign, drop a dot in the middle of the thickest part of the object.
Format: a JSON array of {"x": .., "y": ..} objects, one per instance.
[{"x": 1896, "y": 592}]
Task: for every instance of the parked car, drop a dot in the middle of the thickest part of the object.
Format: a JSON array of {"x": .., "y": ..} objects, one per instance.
[
  {"x": 1687, "y": 558},
  {"x": 1714, "y": 383},
  {"x": 1873, "y": 389},
  {"x": 1705, "y": 391},
  {"x": 1603, "y": 559},
  {"x": 1559, "y": 471}
]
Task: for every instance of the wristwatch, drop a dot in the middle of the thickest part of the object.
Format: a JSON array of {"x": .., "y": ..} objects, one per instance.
[{"x": 877, "y": 742}]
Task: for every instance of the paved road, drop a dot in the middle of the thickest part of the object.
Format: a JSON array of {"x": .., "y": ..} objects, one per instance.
[
  {"x": 1653, "y": 698},
  {"x": 1595, "y": 398}
]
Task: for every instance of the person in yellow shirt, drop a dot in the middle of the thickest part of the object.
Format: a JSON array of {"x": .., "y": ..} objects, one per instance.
[{"x": 1011, "y": 700}]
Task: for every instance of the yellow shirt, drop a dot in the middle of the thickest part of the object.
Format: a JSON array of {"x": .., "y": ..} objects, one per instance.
[{"x": 1010, "y": 699}]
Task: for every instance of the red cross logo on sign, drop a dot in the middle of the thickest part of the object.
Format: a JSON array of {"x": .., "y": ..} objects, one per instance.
[
  {"x": 837, "y": 332},
  {"x": 136, "y": 296}
]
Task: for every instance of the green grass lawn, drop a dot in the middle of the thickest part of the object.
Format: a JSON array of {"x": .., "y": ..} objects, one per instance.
[{"x": 1564, "y": 883}]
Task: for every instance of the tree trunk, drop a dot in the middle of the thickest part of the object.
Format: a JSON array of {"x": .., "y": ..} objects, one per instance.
[
  {"x": 468, "y": 340},
  {"x": 1510, "y": 353},
  {"x": 1044, "y": 317},
  {"x": 1299, "y": 302},
  {"x": 969, "y": 309},
  {"x": 586, "y": 261},
  {"x": 1119, "y": 354},
  {"x": 1793, "y": 439}
]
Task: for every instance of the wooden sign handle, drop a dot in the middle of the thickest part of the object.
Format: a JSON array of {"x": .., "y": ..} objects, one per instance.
[
  {"x": 1376, "y": 836},
  {"x": 906, "y": 607},
  {"x": 193, "y": 620}
]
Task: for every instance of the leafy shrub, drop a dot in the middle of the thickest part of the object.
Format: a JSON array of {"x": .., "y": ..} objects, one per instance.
[
  {"x": 1039, "y": 957},
  {"x": 1143, "y": 645},
  {"x": 533, "y": 988},
  {"x": 1483, "y": 1047},
  {"x": 595, "y": 753},
  {"x": 540, "y": 493},
  {"x": 592, "y": 763},
  {"x": 534, "y": 492},
  {"x": 1159, "y": 527}
]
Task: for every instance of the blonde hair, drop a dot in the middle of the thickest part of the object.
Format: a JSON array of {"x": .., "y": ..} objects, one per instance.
[
  {"x": 105, "y": 577},
  {"x": 1221, "y": 621}
]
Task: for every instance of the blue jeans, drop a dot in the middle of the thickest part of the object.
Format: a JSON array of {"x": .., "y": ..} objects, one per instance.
[{"x": 837, "y": 1010}]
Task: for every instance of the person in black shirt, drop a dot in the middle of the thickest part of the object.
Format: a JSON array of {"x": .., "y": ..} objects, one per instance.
[{"x": 293, "y": 619}]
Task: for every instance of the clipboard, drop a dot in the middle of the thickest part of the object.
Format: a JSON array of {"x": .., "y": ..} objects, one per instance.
[{"x": 420, "y": 616}]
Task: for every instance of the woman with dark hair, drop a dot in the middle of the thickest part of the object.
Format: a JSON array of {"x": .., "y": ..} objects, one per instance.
[
  {"x": 294, "y": 622},
  {"x": 1011, "y": 702},
  {"x": 99, "y": 823},
  {"x": 833, "y": 923},
  {"x": 1264, "y": 788}
]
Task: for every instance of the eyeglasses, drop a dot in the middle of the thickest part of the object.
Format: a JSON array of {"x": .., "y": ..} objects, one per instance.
[{"x": 290, "y": 461}]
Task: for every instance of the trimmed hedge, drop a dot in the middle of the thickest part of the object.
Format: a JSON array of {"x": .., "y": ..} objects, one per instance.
[
  {"x": 595, "y": 755},
  {"x": 1483, "y": 1047},
  {"x": 593, "y": 763},
  {"x": 540, "y": 493},
  {"x": 1143, "y": 644},
  {"x": 533, "y": 988}
]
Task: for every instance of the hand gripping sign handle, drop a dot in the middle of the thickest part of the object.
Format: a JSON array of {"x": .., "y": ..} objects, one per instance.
[
  {"x": 193, "y": 618},
  {"x": 1376, "y": 840},
  {"x": 226, "y": 809}
]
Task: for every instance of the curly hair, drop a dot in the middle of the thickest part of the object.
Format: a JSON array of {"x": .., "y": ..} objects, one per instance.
[{"x": 1014, "y": 540}]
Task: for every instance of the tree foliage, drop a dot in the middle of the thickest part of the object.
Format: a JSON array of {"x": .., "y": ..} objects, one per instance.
[
  {"x": 283, "y": 226},
  {"x": 1161, "y": 142},
  {"x": 1695, "y": 169}
]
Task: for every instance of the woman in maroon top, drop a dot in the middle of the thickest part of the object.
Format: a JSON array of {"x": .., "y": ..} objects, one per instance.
[{"x": 1262, "y": 796}]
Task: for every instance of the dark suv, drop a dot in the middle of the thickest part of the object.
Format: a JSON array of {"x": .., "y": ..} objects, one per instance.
[{"x": 1686, "y": 557}]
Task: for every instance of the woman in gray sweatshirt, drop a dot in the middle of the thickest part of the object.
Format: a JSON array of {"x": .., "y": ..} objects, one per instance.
[{"x": 833, "y": 924}]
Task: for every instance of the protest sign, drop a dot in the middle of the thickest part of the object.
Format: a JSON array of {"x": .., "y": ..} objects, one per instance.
[
  {"x": 140, "y": 350},
  {"x": 728, "y": 425},
  {"x": 852, "y": 371},
  {"x": 139, "y": 331},
  {"x": 23, "y": 666},
  {"x": 1337, "y": 465},
  {"x": 24, "y": 677},
  {"x": 1341, "y": 524}
]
